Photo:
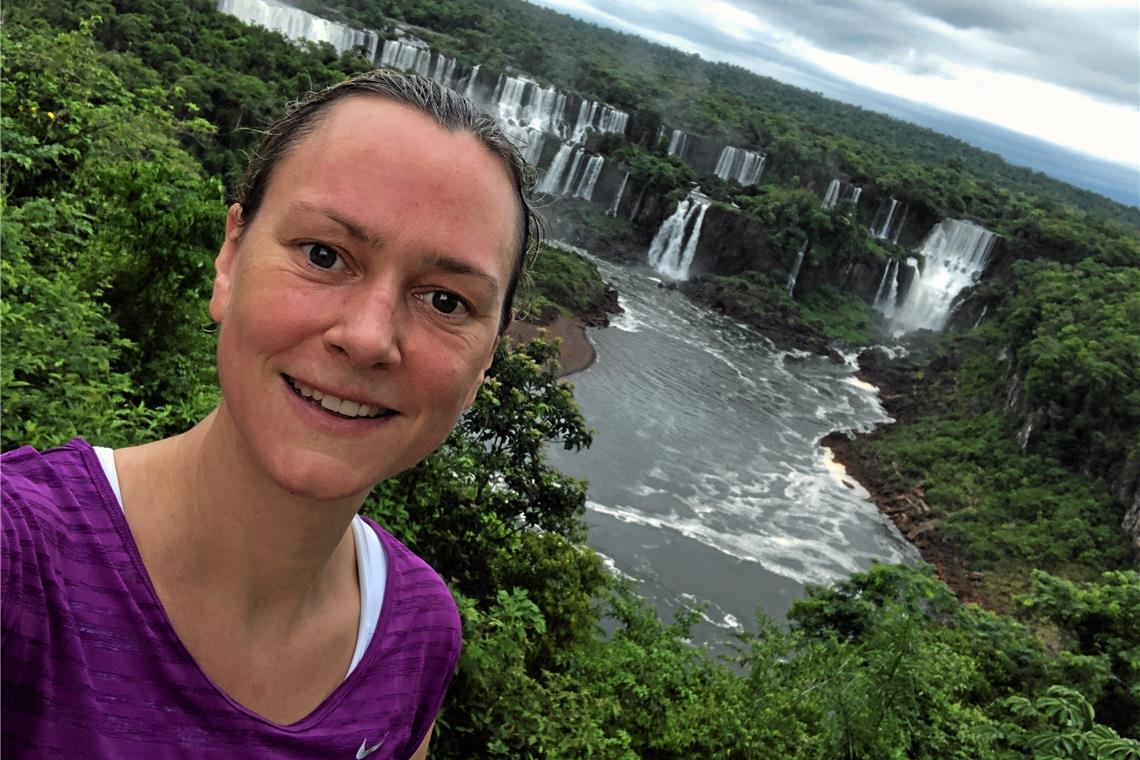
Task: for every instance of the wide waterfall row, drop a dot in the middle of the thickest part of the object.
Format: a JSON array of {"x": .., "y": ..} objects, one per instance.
[
  {"x": 527, "y": 110},
  {"x": 955, "y": 254},
  {"x": 744, "y": 166},
  {"x": 675, "y": 245},
  {"x": 838, "y": 192},
  {"x": 299, "y": 25}
]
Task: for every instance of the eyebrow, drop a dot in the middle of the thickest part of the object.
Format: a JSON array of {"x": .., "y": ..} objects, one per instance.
[
  {"x": 447, "y": 263},
  {"x": 357, "y": 231}
]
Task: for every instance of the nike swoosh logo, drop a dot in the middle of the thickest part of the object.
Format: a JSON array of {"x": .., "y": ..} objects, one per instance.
[{"x": 365, "y": 750}]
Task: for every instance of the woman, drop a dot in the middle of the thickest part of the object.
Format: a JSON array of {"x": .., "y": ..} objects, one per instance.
[{"x": 215, "y": 594}]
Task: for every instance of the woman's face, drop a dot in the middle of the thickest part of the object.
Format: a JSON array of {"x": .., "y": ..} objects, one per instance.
[{"x": 371, "y": 278}]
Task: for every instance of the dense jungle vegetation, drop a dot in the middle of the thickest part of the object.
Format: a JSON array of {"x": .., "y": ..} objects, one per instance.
[{"x": 124, "y": 121}]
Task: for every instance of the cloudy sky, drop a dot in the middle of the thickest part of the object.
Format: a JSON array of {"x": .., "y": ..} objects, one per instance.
[{"x": 1067, "y": 72}]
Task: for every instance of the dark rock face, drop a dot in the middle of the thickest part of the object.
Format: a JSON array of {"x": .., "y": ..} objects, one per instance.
[{"x": 732, "y": 243}]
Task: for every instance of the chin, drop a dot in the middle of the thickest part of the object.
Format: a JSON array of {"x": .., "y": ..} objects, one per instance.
[{"x": 322, "y": 481}]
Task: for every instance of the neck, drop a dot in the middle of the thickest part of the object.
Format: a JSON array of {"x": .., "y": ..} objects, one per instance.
[{"x": 209, "y": 521}]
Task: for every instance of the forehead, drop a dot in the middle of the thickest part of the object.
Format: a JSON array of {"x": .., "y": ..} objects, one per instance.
[{"x": 389, "y": 165}]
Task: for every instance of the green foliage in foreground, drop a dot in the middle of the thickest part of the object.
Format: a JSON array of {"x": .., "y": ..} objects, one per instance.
[{"x": 106, "y": 258}]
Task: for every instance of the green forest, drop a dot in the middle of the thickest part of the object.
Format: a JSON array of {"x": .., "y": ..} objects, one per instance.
[{"x": 125, "y": 124}]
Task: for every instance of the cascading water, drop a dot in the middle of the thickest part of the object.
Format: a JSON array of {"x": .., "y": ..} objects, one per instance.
[
  {"x": 675, "y": 245},
  {"x": 407, "y": 55},
  {"x": 955, "y": 254},
  {"x": 296, "y": 24},
  {"x": 589, "y": 179},
  {"x": 886, "y": 295},
  {"x": 836, "y": 192},
  {"x": 744, "y": 166},
  {"x": 795, "y": 273},
  {"x": 551, "y": 182},
  {"x": 572, "y": 173},
  {"x": 831, "y": 197},
  {"x": 678, "y": 141},
  {"x": 613, "y": 209},
  {"x": 889, "y": 221},
  {"x": 469, "y": 83}
]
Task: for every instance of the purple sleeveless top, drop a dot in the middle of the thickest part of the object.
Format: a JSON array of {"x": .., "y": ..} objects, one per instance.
[{"x": 93, "y": 668}]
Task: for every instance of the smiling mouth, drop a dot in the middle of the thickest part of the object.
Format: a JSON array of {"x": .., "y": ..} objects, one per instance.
[{"x": 338, "y": 407}]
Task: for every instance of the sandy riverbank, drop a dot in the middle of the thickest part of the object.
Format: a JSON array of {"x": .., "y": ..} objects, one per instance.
[{"x": 575, "y": 354}]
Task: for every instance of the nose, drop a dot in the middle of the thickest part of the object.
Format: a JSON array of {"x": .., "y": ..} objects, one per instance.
[{"x": 369, "y": 326}]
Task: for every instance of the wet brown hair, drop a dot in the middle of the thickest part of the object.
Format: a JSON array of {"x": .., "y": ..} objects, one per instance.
[{"x": 448, "y": 109}]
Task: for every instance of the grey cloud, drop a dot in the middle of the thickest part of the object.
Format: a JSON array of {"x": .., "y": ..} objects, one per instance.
[
  {"x": 1092, "y": 50},
  {"x": 1095, "y": 50}
]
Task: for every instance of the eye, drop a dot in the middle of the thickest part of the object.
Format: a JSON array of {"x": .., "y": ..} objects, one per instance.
[
  {"x": 446, "y": 302},
  {"x": 321, "y": 255}
]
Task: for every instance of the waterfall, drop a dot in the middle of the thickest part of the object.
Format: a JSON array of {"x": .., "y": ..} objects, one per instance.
[
  {"x": 955, "y": 253},
  {"x": 407, "y": 55},
  {"x": 678, "y": 141},
  {"x": 551, "y": 181},
  {"x": 744, "y": 166},
  {"x": 831, "y": 197},
  {"x": 589, "y": 179},
  {"x": 836, "y": 192},
  {"x": 892, "y": 222},
  {"x": 796, "y": 269},
  {"x": 672, "y": 251},
  {"x": 570, "y": 175},
  {"x": 880, "y": 232},
  {"x": 886, "y": 296},
  {"x": 899, "y": 226},
  {"x": 598, "y": 117},
  {"x": 882, "y": 284},
  {"x": 296, "y": 24},
  {"x": 613, "y": 209},
  {"x": 472, "y": 77}
]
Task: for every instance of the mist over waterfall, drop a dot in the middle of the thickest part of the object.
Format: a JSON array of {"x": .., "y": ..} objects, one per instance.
[
  {"x": 675, "y": 244},
  {"x": 744, "y": 166},
  {"x": 299, "y": 25},
  {"x": 955, "y": 254}
]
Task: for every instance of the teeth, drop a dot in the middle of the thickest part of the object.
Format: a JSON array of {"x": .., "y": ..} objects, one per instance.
[{"x": 341, "y": 406}]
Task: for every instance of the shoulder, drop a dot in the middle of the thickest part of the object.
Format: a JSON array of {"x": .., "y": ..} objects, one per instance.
[
  {"x": 50, "y": 503},
  {"x": 415, "y": 588},
  {"x": 44, "y": 485}
]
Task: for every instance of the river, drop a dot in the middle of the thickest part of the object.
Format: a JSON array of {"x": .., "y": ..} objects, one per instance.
[{"x": 706, "y": 481}]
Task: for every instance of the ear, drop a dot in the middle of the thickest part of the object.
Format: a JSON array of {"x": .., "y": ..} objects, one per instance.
[
  {"x": 225, "y": 263},
  {"x": 482, "y": 375}
]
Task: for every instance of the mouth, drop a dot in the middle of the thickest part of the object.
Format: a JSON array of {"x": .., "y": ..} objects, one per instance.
[{"x": 338, "y": 407}]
